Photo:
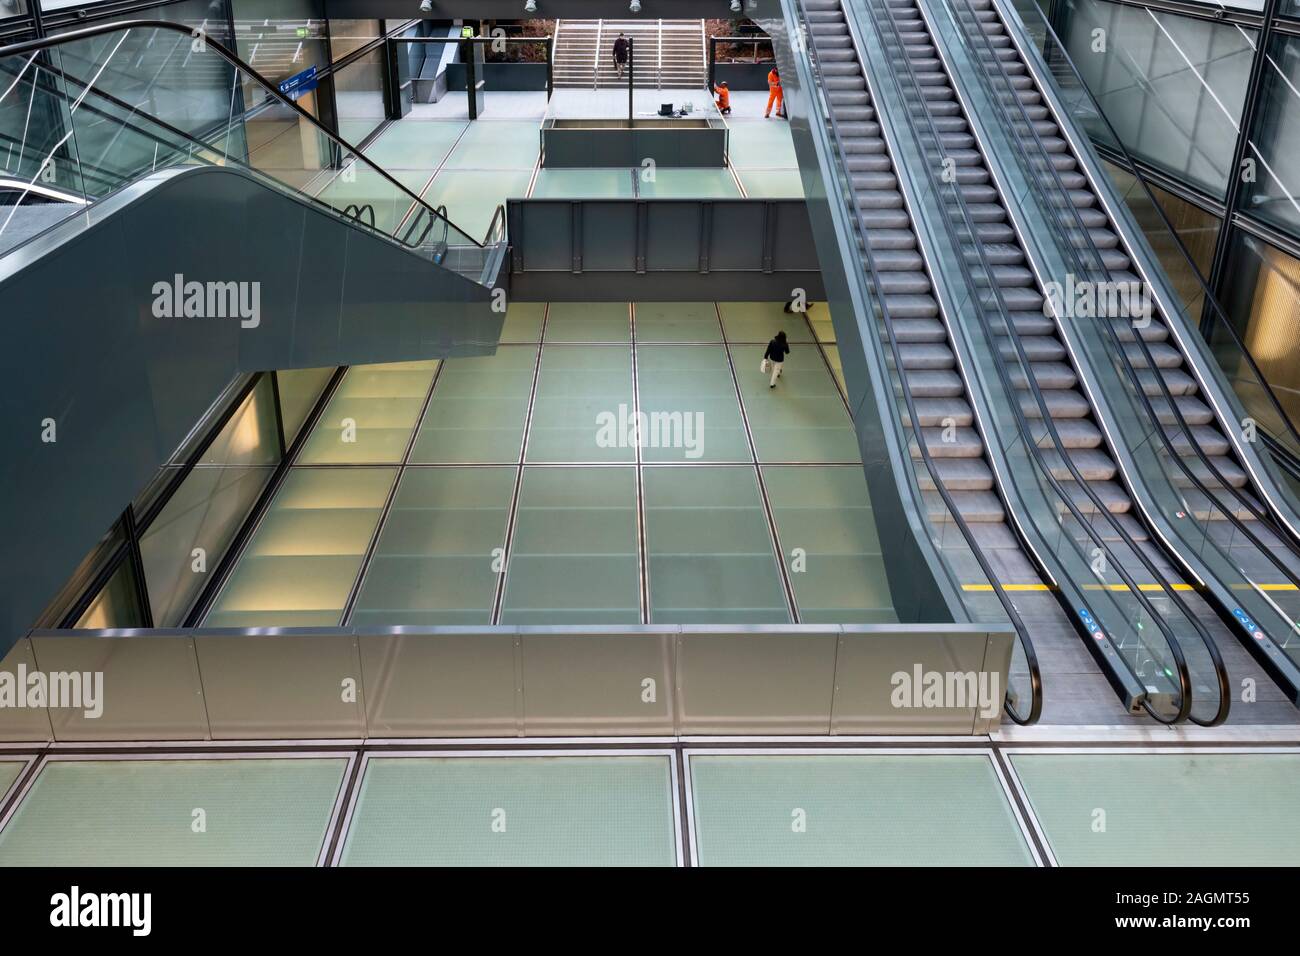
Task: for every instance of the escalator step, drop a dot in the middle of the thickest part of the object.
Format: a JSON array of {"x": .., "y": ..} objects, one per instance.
[
  {"x": 1047, "y": 374},
  {"x": 911, "y": 306},
  {"x": 926, "y": 355},
  {"x": 900, "y": 261},
  {"x": 1208, "y": 438},
  {"x": 1037, "y": 348},
  {"x": 1061, "y": 404},
  {"x": 958, "y": 474},
  {"x": 954, "y": 442},
  {"x": 935, "y": 383},
  {"x": 919, "y": 330},
  {"x": 976, "y": 507},
  {"x": 1194, "y": 411},
  {"x": 1077, "y": 433},
  {"x": 1229, "y": 469}
]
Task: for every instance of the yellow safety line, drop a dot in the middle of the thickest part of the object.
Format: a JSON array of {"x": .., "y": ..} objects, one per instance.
[
  {"x": 1107, "y": 587},
  {"x": 1007, "y": 587},
  {"x": 1141, "y": 587}
]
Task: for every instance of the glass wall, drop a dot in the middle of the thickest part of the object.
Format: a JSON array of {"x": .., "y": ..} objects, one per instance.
[
  {"x": 1197, "y": 229},
  {"x": 117, "y": 605},
  {"x": 279, "y": 38},
  {"x": 359, "y": 96},
  {"x": 181, "y": 546},
  {"x": 1172, "y": 86},
  {"x": 142, "y": 79},
  {"x": 283, "y": 39},
  {"x": 1271, "y": 191},
  {"x": 1263, "y": 299},
  {"x": 349, "y": 35},
  {"x": 197, "y": 524}
]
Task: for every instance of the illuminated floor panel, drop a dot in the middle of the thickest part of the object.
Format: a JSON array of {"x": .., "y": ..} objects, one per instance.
[
  {"x": 1209, "y": 809},
  {"x": 852, "y": 810},
  {"x": 612, "y": 520},
  {"x": 248, "y": 812},
  {"x": 508, "y": 811}
]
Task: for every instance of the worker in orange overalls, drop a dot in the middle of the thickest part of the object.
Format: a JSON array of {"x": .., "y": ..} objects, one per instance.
[
  {"x": 774, "y": 94},
  {"x": 724, "y": 98}
]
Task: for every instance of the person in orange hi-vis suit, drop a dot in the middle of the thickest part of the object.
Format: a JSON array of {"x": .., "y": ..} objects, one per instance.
[
  {"x": 724, "y": 98},
  {"x": 774, "y": 94}
]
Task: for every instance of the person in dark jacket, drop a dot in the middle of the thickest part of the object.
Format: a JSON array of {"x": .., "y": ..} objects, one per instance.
[
  {"x": 620, "y": 53},
  {"x": 774, "y": 357}
]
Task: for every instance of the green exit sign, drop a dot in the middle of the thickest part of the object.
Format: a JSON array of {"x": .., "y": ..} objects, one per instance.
[{"x": 301, "y": 31}]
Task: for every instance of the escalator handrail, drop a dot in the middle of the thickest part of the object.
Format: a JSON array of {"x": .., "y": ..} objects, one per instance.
[
  {"x": 1022, "y": 631},
  {"x": 1122, "y": 353},
  {"x": 355, "y": 211},
  {"x": 271, "y": 89},
  {"x": 1069, "y": 209},
  {"x": 1220, "y": 316},
  {"x": 499, "y": 215},
  {"x": 959, "y": 203}
]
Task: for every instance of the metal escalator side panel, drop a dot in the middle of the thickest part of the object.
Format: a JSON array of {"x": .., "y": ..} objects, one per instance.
[
  {"x": 890, "y": 477},
  {"x": 898, "y": 273}
]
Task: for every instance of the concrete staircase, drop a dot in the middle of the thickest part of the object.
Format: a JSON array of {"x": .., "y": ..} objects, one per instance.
[{"x": 667, "y": 54}]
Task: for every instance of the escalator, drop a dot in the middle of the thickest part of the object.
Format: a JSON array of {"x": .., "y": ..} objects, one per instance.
[
  {"x": 1219, "y": 506},
  {"x": 169, "y": 222},
  {"x": 1138, "y": 577},
  {"x": 1144, "y": 662}
]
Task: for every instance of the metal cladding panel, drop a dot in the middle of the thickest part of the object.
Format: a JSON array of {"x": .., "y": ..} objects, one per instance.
[
  {"x": 460, "y": 684},
  {"x": 23, "y": 723},
  {"x": 761, "y": 679},
  {"x": 609, "y": 236},
  {"x": 150, "y": 688},
  {"x": 338, "y": 682},
  {"x": 588, "y": 681},
  {"x": 881, "y": 681},
  {"x": 281, "y": 685},
  {"x": 673, "y": 237}
]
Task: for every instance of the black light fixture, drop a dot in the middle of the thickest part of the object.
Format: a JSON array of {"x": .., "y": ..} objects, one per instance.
[
  {"x": 735, "y": 6},
  {"x": 635, "y": 6},
  {"x": 426, "y": 6},
  {"x": 530, "y": 6}
]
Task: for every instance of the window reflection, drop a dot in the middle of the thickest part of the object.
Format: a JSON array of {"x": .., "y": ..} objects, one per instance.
[{"x": 1263, "y": 299}]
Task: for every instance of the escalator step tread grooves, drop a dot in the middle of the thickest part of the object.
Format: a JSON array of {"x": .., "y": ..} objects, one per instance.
[
  {"x": 1196, "y": 414},
  {"x": 1040, "y": 341},
  {"x": 938, "y": 392}
]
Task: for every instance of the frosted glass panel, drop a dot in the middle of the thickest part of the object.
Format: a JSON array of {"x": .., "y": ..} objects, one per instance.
[{"x": 299, "y": 568}]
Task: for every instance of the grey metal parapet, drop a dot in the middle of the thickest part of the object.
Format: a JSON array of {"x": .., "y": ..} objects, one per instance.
[{"x": 647, "y": 680}]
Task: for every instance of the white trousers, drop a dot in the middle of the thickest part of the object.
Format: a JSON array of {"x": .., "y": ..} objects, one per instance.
[{"x": 776, "y": 371}]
